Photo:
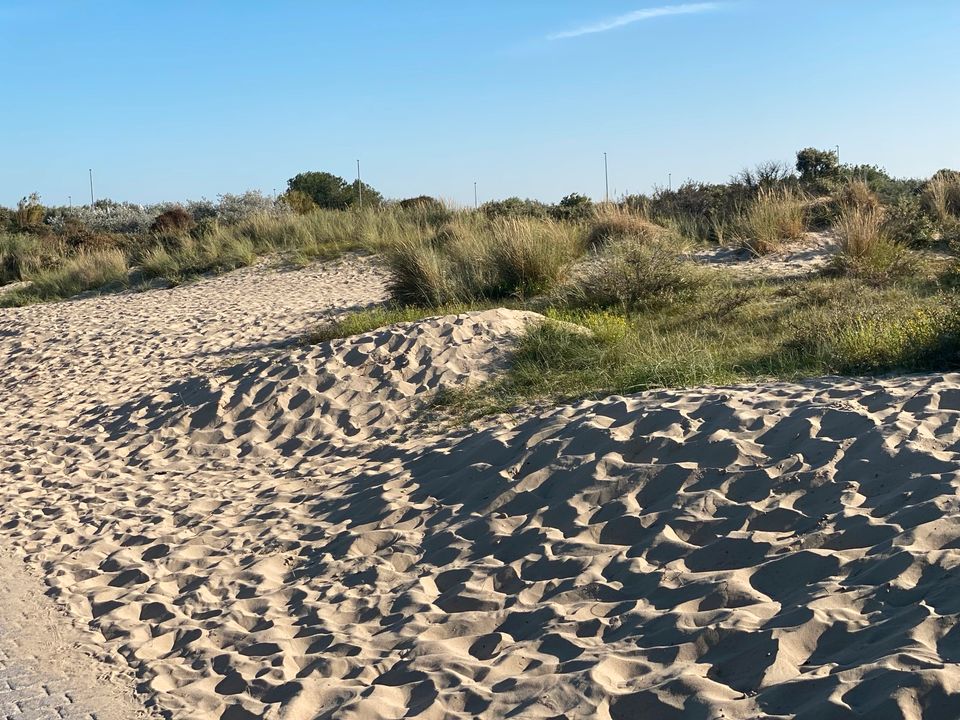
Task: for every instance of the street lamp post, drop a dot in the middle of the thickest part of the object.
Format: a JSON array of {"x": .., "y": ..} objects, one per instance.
[
  {"x": 359, "y": 186},
  {"x": 91, "y": 188},
  {"x": 606, "y": 178}
]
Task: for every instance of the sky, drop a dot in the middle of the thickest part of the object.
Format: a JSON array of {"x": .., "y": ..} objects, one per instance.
[{"x": 183, "y": 99}]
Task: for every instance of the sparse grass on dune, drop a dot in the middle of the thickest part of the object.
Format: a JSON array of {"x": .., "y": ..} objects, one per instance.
[
  {"x": 614, "y": 223},
  {"x": 866, "y": 248},
  {"x": 775, "y": 216},
  {"x": 475, "y": 258},
  {"x": 716, "y": 330},
  {"x": 942, "y": 196},
  {"x": 22, "y": 255},
  {"x": 83, "y": 271},
  {"x": 47, "y": 262}
]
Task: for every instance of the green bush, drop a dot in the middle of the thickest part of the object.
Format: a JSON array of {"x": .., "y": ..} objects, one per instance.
[
  {"x": 850, "y": 339},
  {"x": 573, "y": 207},
  {"x": 817, "y": 167},
  {"x": 634, "y": 272},
  {"x": 330, "y": 191},
  {"x": 29, "y": 213},
  {"x": 908, "y": 223},
  {"x": 515, "y": 207}
]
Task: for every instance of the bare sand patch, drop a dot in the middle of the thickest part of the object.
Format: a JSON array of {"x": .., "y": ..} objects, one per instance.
[{"x": 808, "y": 256}]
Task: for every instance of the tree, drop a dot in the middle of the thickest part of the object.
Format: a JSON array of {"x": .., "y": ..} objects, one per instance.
[
  {"x": 574, "y": 207},
  {"x": 371, "y": 198},
  {"x": 325, "y": 189},
  {"x": 331, "y": 191},
  {"x": 816, "y": 165}
]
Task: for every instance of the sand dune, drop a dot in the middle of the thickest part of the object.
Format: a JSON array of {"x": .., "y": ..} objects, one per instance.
[{"x": 251, "y": 526}]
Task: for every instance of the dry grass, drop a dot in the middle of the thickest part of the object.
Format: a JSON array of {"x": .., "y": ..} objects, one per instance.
[
  {"x": 858, "y": 194},
  {"x": 84, "y": 271},
  {"x": 775, "y": 216},
  {"x": 866, "y": 249},
  {"x": 612, "y": 224},
  {"x": 860, "y": 229},
  {"x": 474, "y": 258},
  {"x": 942, "y": 196}
]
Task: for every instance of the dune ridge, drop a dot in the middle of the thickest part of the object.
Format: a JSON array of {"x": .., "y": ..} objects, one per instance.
[{"x": 778, "y": 550}]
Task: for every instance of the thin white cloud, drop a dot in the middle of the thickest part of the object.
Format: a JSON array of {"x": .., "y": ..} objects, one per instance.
[{"x": 636, "y": 16}]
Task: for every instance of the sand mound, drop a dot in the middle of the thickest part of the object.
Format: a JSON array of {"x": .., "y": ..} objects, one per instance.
[
  {"x": 313, "y": 400},
  {"x": 765, "y": 551},
  {"x": 808, "y": 256}
]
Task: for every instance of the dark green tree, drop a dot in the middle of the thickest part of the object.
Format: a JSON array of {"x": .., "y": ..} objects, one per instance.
[
  {"x": 333, "y": 192},
  {"x": 574, "y": 207},
  {"x": 817, "y": 165}
]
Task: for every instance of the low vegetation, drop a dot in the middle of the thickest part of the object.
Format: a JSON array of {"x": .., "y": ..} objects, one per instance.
[{"x": 628, "y": 308}]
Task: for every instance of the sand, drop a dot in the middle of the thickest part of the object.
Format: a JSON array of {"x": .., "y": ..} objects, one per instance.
[
  {"x": 260, "y": 528},
  {"x": 808, "y": 256}
]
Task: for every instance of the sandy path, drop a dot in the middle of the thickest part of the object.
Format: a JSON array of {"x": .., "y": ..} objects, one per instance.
[
  {"x": 44, "y": 670},
  {"x": 248, "y": 524}
]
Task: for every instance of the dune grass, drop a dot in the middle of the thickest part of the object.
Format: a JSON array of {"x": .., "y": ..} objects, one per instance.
[
  {"x": 475, "y": 258},
  {"x": 81, "y": 272},
  {"x": 866, "y": 248},
  {"x": 775, "y": 216},
  {"x": 718, "y": 331}
]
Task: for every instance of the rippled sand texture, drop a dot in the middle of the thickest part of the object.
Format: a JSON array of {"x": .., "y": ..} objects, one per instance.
[{"x": 252, "y": 526}]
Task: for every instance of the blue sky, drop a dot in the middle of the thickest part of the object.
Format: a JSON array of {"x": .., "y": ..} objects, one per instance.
[{"x": 175, "y": 99}]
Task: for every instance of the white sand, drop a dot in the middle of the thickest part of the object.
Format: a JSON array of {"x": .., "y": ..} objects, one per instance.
[
  {"x": 807, "y": 256},
  {"x": 250, "y": 525}
]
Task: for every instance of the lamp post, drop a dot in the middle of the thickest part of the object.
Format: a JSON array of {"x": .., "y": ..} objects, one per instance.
[
  {"x": 606, "y": 179},
  {"x": 359, "y": 186},
  {"x": 476, "y": 203},
  {"x": 91, "y": 188}
]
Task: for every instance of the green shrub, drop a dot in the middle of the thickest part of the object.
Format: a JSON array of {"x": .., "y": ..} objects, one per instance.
[
  {"x": 298, "y": 201},
  {"x": 699, "y": 211},
  {"x": 818, "y": 167},
  {"x": 573, "y": 207},
  {"x": 634, "y": 272},
  {"x": 331, "y": 192},
  {"x": 850, "y": 339},
  {"x": 515, "y": 207},
  {"x": 908, "y": 223},
  {"x": 427, "y": 210},
  {"x": 29, "y": 213}
]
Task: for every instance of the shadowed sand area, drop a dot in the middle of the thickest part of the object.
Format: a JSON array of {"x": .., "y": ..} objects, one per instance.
[{"x": 258, "y": 530}]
